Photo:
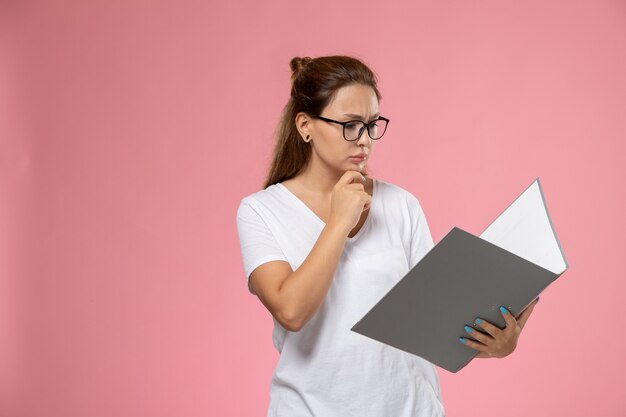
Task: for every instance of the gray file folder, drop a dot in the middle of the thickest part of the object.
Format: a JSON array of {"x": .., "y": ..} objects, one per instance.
[{"x": 464, "y": 277}]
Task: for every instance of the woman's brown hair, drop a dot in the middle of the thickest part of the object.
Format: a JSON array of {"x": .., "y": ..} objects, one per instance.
[{"x": 314, "y": 82}]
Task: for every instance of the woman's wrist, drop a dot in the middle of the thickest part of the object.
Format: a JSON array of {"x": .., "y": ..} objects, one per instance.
[{"x": 336, "y": 228}]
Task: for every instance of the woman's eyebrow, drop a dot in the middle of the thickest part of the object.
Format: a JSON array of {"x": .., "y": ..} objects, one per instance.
[{"x": 359, "y": 116}]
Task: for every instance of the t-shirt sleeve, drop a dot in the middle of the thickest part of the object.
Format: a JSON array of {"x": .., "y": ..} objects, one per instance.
[
  {"x": 421, "y": 239},
  {"x": 258, "y": 244}
]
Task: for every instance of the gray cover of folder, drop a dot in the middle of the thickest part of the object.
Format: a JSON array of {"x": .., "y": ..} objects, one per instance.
[{"x": 464, "y": 277}]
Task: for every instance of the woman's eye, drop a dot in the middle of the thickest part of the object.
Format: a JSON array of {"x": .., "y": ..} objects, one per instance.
[{"x": 352, "y": 126}]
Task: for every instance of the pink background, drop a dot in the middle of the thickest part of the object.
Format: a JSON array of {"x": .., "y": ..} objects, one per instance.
[{"x": 130, "y": 131}]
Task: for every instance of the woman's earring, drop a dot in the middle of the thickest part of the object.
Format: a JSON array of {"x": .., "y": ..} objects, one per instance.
[{"x": 307, "y": 138}]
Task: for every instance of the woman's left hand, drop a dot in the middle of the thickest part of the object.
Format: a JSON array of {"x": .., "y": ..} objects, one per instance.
[{"x": 498, "y": 343}]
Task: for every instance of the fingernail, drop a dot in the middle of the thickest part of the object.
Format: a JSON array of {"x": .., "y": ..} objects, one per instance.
[
  {"x": 468, "y": 329},
  {"x": 503, "y": 310},
  {"x": 478, "y": 321},
  {"x": 462, "y": 340}
]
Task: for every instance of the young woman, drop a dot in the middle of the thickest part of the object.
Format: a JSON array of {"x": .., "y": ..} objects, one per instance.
[{"x": 323, "y": 242}]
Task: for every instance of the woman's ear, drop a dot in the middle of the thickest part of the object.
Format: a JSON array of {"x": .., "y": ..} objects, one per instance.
[{"x": 303, "y": 124}]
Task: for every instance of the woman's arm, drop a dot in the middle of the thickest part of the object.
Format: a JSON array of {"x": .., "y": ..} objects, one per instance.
[{"x": 294, "y": 296}]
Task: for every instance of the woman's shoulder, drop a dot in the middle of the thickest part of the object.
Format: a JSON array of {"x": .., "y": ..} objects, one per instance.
[
  {"x": 389, "y": 190},
  {"x": 266, "y": 195}
]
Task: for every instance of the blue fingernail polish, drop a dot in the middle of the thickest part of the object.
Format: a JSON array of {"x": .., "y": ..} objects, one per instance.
[
  {"x": 462, "y": 340},
  {"x": 503, "y": 310},
  {"x": 478, "y": 321},
  {"x": 468, "y": 329}
]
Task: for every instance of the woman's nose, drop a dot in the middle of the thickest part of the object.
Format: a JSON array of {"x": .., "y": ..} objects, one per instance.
[{"x": 365, "y": 138}]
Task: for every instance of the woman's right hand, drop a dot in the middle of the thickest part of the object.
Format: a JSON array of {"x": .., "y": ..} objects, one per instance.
[{"x": 349, "y": 200}]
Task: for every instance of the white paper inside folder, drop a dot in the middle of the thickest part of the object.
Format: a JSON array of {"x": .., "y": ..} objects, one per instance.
[{"x": 525, "y": 229}]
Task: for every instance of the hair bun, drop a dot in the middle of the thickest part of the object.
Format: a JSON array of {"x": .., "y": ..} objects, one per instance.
[{"x": 297, "y": 64}]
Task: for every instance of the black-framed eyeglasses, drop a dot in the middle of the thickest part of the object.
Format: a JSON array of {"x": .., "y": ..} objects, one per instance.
[{"x": 353, "y": 129}]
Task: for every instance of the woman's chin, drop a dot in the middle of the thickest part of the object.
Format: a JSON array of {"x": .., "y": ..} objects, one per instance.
[{"x": 360, "y": 165}]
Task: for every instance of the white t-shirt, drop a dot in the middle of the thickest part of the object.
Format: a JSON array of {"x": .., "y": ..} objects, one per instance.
[{"x": 325, "y": 369}]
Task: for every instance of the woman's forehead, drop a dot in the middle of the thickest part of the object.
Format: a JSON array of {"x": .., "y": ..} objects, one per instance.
[{"x": 356, "y": 99}]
